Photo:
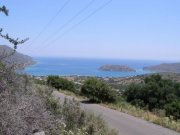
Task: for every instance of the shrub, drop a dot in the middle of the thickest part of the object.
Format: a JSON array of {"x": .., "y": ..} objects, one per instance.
[
  {"x": 61, "y": 83},
  {"x": 98, "y": 91},
  {"x": 173, "y": 109},
  {"x": 155, "y": 93},
  {"x": 75, "y": 120}
]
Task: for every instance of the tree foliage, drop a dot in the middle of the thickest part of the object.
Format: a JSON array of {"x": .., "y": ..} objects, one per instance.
[
  {"x": 156, "y": 93},
  {"x": 173, "y": 109},
  {"x": 60, "y": 83},
  {"x": 98, "y": 91}
]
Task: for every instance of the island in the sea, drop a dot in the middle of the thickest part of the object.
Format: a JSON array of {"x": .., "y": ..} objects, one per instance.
[
  {"x": 165, "y": 67},
  {"x": 116, "y": 68}
]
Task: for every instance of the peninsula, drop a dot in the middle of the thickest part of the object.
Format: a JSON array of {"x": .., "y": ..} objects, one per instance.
[
  {"x": 17, "y": 58},
  {"x": 165, "y": 67}
]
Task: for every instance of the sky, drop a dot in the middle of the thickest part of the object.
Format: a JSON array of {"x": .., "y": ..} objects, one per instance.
[{"x": 121, "y": 29}]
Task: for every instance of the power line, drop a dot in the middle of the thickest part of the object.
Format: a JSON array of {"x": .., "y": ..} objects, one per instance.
[
  {"x": 79, "y": 23},
  {"x": 51, "y": 20},
  {"x": 69, "y": 21}
]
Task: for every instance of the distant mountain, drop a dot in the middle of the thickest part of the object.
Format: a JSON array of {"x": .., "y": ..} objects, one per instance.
[
  {"x": 116, "y": 68},
  {"x": 19, "y": 59},
  {"x": 165, "y": 67}
]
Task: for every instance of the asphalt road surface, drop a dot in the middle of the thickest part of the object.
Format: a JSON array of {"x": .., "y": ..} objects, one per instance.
[{"x": 123, "y": 123}]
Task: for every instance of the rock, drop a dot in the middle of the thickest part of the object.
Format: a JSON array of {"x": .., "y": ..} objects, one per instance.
[{"x": 39, "y": 133}]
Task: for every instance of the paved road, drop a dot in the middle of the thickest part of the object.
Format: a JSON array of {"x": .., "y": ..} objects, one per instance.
[{"x": 124, "y": 123}]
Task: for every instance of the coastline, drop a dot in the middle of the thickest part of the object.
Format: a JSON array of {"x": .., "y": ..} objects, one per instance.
[{"x": 85, "y": 67}]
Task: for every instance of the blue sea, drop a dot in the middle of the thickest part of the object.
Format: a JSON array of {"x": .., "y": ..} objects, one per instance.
[{"x": 85, "y": 67}]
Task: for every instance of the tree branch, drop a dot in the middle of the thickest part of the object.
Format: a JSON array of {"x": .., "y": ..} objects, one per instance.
[
  {"x": 4, "y": 10},
  {"x": 15, "y": 42}
]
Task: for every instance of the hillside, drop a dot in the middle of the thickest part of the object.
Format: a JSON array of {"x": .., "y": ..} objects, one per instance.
[
  {"x": 116, "y": 68},
  {"x": 165, "y": 67},
  {"x": 28, "y": 108},
  {"x": 19, "y": 59}
]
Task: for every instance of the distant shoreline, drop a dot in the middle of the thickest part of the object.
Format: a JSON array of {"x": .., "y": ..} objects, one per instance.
[
  {"x": 50, "y": 66},
  {"x": 87, "y": 76},
  {"x": 85, "y": 67}
]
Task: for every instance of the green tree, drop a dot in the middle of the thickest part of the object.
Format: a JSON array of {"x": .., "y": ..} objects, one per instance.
[
  {"x": 98, "y": 91},
  {"x": 173, "y": 109},
  {"x": 61, "y": 83},
  {"x": 155, "y": 93}
]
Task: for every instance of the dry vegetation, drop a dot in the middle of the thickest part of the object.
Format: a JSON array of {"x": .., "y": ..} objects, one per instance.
[
  {"x": 154, "y": 117},
  {"x": 27, "y": 108}
]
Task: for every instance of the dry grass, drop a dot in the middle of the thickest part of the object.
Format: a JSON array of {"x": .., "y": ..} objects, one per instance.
[
  {"x": 137, "y": 112},
  {"x": 23, "y": 111},
  {"x": 146, "y": 115},
  {"x": 76, "y": 120}
]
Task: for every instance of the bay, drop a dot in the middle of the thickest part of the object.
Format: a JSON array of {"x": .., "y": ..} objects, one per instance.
[{"x": 86, "y": 67}]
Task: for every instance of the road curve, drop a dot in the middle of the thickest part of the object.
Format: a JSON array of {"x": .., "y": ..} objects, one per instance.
[{"x": 124, "y": 123}]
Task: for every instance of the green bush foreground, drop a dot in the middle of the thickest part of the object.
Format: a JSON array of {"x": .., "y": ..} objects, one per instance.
[{"x": 156, "y": 93}]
